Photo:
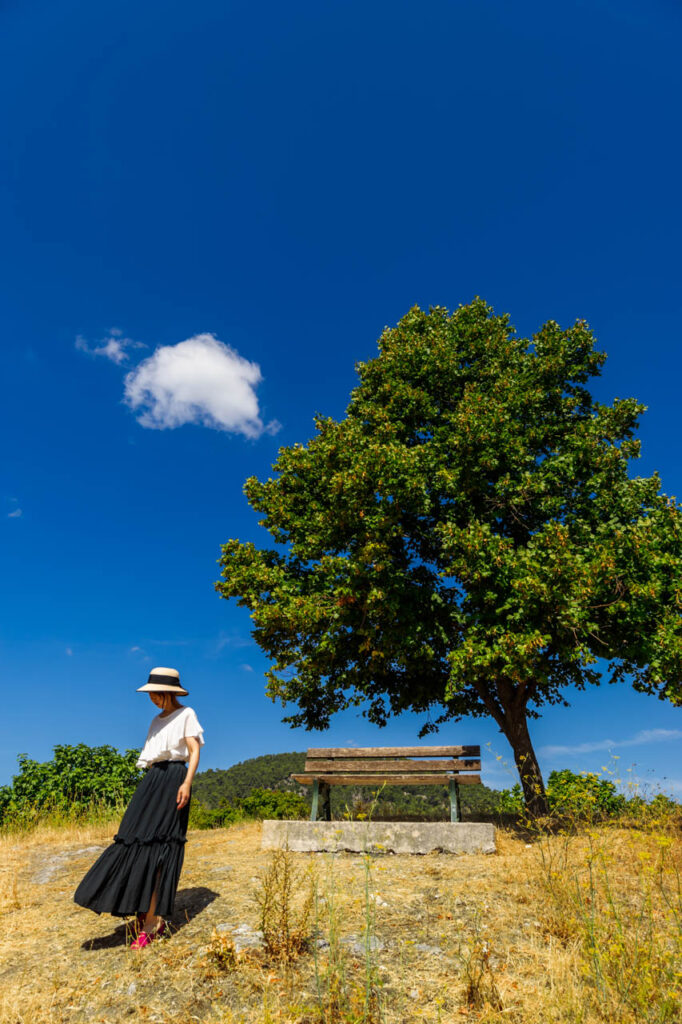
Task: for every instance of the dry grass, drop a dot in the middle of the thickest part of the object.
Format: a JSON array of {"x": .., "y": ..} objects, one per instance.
[{"x": 546, "y": 931}]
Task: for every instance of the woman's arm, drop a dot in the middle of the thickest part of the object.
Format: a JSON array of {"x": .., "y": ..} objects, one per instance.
[{"x": 184, "y": 791}]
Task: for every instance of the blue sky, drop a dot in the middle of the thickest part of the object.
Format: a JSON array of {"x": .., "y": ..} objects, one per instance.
[{"x": 289, "y": 178}]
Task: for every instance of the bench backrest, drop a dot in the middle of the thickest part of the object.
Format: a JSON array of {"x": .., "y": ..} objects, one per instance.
[{"x": 402, "y": 764}]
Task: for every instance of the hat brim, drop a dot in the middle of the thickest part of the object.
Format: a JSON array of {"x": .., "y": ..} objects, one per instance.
[{"x": 161, "y": 688}]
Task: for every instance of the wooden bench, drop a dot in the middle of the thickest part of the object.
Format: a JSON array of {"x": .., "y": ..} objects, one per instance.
[{"x": 396, "y": 766}]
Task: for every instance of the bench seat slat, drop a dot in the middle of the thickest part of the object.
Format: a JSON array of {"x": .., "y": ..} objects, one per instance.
[
  {"x": 376, "y": 764},
  {"x": 353, "y": 779},
  {"x": 342, "y": 753}
]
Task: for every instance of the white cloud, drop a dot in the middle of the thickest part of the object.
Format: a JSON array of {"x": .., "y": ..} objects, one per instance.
[
  {"x": 246, "y": 668},
  {"x": 114, "y": 346},
  {"x": 231, "y": 640},
  {"x": 17, "y": 514},
  {"x": 135, "y": 649},
  {"x": 69, "y": 652},
  {"x": 199, "y": 380},
  {"x": 642, "y": 737}
]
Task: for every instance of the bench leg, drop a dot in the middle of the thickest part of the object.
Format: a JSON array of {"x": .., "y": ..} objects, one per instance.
[
  {"x": 455, "y": 806},
  {"x": 325, "y": 793},
  {"x": 316, "y": 793}
]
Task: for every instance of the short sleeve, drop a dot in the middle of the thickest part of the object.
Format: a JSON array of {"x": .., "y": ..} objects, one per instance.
[
  {"x": 142, "y": 761},
  {"x": 192, "y": 727}
]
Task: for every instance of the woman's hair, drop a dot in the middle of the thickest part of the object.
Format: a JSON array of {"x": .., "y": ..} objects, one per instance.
[{"x": 174, "y": 703}]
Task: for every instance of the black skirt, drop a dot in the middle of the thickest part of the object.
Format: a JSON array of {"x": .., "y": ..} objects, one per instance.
[{"x": 147, "y": 851}]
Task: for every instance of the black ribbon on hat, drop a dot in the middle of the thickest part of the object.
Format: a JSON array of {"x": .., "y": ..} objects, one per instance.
[{"x": 154, "y": 677}]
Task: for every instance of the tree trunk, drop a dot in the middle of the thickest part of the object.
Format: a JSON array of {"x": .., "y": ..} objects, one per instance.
[
  {"x": 509, "y": 711},
  {"x": 528, "y": 768}
]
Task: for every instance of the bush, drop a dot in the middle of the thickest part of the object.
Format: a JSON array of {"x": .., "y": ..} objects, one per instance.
[
  {"x": 511, "y": 800},
  {"x": 201, "y": 816},
  {"x": 580, "y": 796},
  {"x": 274, "y": 803},
  {"x": 664, "y": 806},
  {"x": 585, "y": 795},
  {"x": 260, "y": 803},
  {"x": 76, "y": 779}
]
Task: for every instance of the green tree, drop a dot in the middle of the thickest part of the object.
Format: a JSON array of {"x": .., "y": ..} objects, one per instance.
[{"x": 467, "y": 540}]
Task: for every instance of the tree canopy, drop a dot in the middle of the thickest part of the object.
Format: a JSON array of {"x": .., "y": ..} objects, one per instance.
[{"x": 467, "y": 540}]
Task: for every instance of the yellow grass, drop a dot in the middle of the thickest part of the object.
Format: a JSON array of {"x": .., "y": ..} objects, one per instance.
[{"x": 530, "y": 935}]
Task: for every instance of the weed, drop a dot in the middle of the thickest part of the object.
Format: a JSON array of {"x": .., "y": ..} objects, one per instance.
[
  {"x": 285, "y": 901},
  {"x": 372, "y": 998},
  {"x": 331, "y": 987},
  {"x": 221, "y": 951},
  {"x": 478, "y": 975},
  {"x": 343, "y": 996},
  {"x": 617, "y": 893}
]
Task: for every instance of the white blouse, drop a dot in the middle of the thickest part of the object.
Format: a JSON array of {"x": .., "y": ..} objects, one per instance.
[{"x": 166, "y": 737}]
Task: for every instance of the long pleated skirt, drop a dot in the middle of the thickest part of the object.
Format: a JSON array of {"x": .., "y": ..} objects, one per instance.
[{"x": 147, "y": 851}]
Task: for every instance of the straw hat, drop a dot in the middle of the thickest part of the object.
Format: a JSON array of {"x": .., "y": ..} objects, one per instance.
[{"x": 163, "y": 680}]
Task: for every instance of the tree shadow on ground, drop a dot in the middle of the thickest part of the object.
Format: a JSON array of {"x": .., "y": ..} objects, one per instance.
[{"x": 189, "y": 903}]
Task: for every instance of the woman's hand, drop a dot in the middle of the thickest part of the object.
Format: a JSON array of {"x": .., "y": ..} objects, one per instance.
[
  {"x": 183, "y": 795},
  {"x": 184, "y": 791}
]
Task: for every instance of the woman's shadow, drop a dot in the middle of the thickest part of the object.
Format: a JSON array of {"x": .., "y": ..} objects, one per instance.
[{"x": 189, "y": 903}]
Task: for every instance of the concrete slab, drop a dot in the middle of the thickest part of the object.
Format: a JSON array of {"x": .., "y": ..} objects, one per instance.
[{"x": 379, "y": 836}]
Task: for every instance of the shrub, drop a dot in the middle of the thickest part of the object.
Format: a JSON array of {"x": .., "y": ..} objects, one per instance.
[
  {"x": 260, "y": 803},
  {"x": 570, "y": 794},
  {"x": 664, "y": 806},
  {"x": 584, "y": 795},
  {"x": 76, "y": 779},
  {"x": 274, "y": 803},
  {"x": 511, "y": 800},
  {"x": 202, "y": 817}
]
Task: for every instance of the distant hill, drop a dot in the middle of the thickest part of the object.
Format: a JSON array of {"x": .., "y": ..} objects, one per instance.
[
  {"x": 270, "y": 771},
  {"x": 216, "y": 787}
]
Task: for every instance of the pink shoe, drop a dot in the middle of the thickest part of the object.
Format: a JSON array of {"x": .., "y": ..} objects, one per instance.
[
  {"x": 141, "y": 941},
  {"x": 146, "y": 938}
]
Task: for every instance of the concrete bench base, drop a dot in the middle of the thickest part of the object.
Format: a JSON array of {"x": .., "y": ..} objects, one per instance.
[{"x": 379, "y": 836}]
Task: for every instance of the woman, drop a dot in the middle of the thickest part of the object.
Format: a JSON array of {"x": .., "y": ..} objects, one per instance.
[{"x": 139, "y": 873}]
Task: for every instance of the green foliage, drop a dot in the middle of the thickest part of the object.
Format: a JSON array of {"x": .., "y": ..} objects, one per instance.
[
  {"x": 411, "y": 803},
  {"x": 581, "y": 796},
  {"x": 5, "y": 800},
  {"x": 260, "y": 803},
  {"x": 77, "y": 778},
  {"x": 272, "y": 803},
  {"x": 214, "y": 787},
  {"x": 511, "y": 800},
  {"x": 664, "y": 806},
  {"x": 203, "y": 817},
  {"x": 585, "y": 795},
  {"x": 467, "y": 540}
]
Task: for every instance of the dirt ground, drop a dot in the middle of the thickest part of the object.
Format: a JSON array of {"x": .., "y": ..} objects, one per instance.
[{"x": 441, "y": 924}]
